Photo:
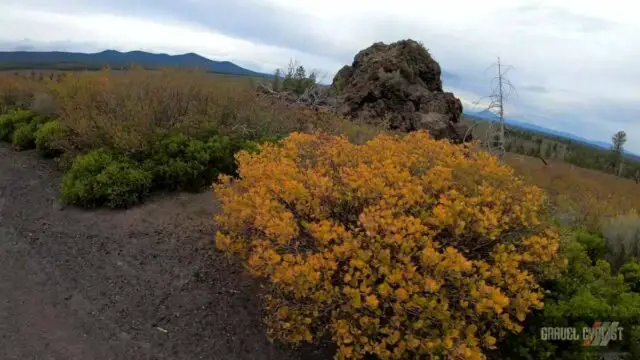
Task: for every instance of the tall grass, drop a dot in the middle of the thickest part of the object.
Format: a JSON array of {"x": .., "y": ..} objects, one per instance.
[
  {"x": 581, "y": 197},
  {"x": 128, "y": 111},
  {"x": 18, "y": 92}
]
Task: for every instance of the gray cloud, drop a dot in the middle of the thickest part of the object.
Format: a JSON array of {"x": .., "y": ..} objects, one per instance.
[
  {"x": 564, "y": 19},
  {"x": 251, "y": 20},
  {"x": 575, "y": 70},
  {"x": 534, "y": 88}
]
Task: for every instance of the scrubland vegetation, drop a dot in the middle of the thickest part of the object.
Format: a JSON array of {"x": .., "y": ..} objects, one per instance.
[
  {"x": 158, "y": 130},
  {"x": 389, "y": 245},
  {"x": 581, "y": 197}
]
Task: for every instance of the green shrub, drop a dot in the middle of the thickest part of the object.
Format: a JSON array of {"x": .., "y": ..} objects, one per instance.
[
  {"x": 47, "y": 139},
  {"x": 178, "y": 162},
  {"x": 631, "y": 274},
  {"x": 221, "y": 152},
  {"x": 13, "y": 120},
  {"x": 585, "y": 293},
  {"x": 593, "y": 244},
  {"x": 24, "y": 136},
  {"x": 102, "y": 178}
]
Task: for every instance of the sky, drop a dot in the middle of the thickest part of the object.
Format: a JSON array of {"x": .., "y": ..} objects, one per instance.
[{"x": 575, "y": 63}]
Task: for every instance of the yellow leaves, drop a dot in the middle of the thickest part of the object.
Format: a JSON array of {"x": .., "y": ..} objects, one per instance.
[
  {"x": 346, "y": 352},
  {"x": 454, "y": 261},
  {"x": 358, "y": 264},
  {"x": 499, "y": 299},
  {"x": 395, "y": 277},
  {"x": 227, "y": 243},
  {"x": 372, "y": 302},
  {"x": 384, "y": 290},
  {"x": 431, "y": 285},
  {"x": 413, "y": 343},
  {"x": 541, "y": 248},
  {"x": 448, "y": 343},
  {"x": 393, "y": 338},
  {"x": 401, "y": 294},
  {"x": 489, "y": 340},
  {"x": 430, "y": 257},
  {"x": 326, "y": 231},
  {"x": 399, "y": 243},
  {"x": 354, "y": 297}
]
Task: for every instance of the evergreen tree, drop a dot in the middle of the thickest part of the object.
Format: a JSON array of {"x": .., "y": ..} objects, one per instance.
[{"x": 617, "y": 149}]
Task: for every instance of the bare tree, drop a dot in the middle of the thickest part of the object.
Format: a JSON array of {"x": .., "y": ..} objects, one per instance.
[{"x": 501, "y": 89}]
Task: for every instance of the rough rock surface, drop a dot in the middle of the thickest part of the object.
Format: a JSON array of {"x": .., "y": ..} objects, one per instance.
[{"x": 399, "y": 83}]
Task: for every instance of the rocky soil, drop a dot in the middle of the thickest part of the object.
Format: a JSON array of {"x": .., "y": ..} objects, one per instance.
[{"x": 142, "y": 283}]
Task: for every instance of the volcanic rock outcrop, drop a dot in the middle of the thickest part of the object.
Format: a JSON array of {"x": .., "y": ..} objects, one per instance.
[
  {"x": 396, "y": 85},
  {"x": 399, "y": 84}
]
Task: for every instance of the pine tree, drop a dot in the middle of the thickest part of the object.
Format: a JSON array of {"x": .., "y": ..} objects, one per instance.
[{"x": 617, "y": 150}]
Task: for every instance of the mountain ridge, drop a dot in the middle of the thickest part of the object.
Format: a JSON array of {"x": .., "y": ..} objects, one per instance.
[
  {"x": 115, "y": 59},
  {"x": 488, "y": 115}
]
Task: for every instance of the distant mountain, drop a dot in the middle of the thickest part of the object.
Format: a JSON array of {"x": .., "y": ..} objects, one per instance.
[
  {"x": 488, "y": 115},
  {"x": 116, "y": 59}
]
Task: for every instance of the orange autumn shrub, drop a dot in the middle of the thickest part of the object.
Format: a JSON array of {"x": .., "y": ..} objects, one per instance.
[{"x": 401, "y": 247}]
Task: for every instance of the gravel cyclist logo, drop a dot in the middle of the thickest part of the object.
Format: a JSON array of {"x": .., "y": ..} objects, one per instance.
[{"x": 600, "y": 334}]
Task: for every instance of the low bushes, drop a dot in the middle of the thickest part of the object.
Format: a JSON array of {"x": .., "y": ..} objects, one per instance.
[
  {"x": 48, "y": 139},
  {"x": 12, "y": 120},
  {"x": 106, "y": 176},
  {"x": 586, "y": 291},
  {"x": 178, "y": 162},
  {"x": 19, "y": 127},
  {"x": 180, "y": 126},
  {"x": 631, "y": 274},
  {"x": 24, "y": 136},
  {"x": 100, "y": 177},
  {"x": 400, "y": 248}
]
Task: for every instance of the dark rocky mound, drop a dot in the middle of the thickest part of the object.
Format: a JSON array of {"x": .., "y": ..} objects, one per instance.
[{"x": 399, "y": 84}]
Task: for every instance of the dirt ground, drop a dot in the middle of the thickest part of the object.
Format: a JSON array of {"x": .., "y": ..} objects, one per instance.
[{"x": 142, "y": 283}]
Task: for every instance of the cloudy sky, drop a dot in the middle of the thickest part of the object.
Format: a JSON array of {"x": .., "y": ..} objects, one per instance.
[{"x": 576, "y": 63}]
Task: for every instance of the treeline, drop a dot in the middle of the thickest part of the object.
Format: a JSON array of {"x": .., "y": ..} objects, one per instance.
[{"x": 613, "y": 161}]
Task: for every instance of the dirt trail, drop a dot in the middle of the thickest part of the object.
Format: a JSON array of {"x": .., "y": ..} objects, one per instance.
[{"x": 137, "y": 284}]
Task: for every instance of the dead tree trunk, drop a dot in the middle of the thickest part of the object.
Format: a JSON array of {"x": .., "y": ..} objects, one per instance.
[{"x": 501, "y": 89}]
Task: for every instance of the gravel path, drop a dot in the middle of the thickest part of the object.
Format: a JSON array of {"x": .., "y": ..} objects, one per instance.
[{"x": 142, "y": 283}]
